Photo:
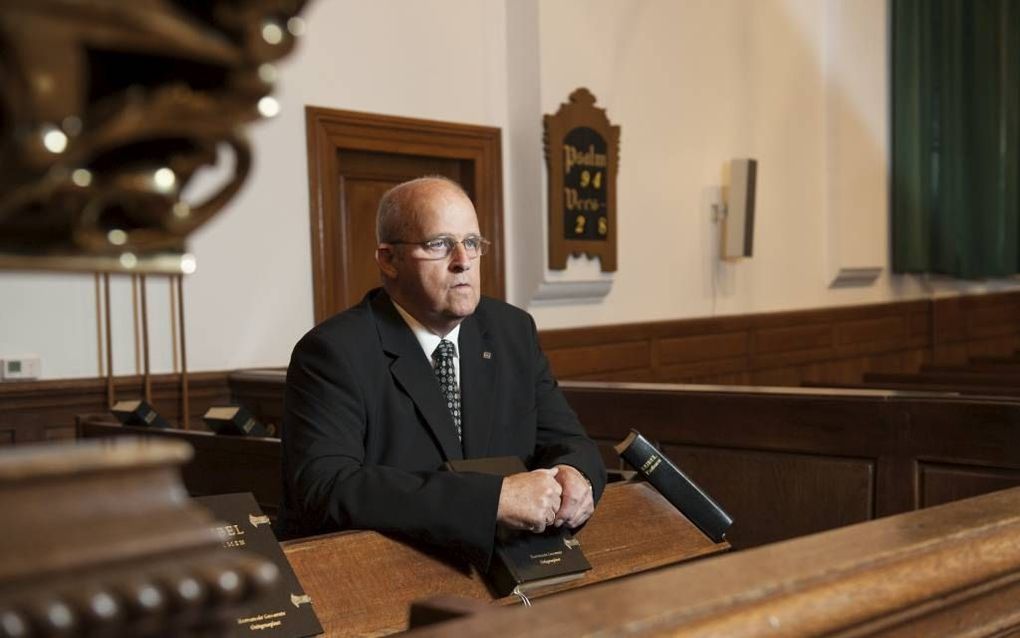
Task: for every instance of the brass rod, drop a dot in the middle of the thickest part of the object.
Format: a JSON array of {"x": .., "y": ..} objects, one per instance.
[
  {"x": 134, "y": 322},
  {"x": 185, "y": 406},
  {"x": 173, "y": 323},
  {"x": 145, "y": 339},
  {"x": 99, "y": 325},
  {"x": 111, "y": 393}
]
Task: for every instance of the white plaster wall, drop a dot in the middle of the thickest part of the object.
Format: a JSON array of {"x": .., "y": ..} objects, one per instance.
[
  {"x": 800, "y": 85},
  {"x": 695, "y": 84}
]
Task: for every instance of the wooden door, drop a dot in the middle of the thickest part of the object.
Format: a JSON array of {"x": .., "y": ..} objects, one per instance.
[{"x": 353, "y": 158}]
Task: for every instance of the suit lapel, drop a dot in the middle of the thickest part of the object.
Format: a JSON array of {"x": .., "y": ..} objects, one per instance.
[
  {"x": 413, "y": 372},
  {"x": 477, "y": 380}
]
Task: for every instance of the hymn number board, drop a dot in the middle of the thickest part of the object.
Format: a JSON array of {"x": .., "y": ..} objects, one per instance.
[{"x": 582, "y": 155}]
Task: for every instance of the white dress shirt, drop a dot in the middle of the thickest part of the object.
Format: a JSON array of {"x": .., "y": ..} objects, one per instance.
[{"x": 430, "y": 341}]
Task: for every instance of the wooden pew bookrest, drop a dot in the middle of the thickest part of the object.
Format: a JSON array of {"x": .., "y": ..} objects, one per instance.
[{"x": 363, "y": 583}]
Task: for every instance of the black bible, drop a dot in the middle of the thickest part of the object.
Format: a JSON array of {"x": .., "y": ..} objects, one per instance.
[
  {"x": 676, "y": 486},
  {"x": 522, "y": 561}
]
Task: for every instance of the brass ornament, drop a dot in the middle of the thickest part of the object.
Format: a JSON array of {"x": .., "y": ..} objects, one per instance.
[{"x": 108, "y": 109}]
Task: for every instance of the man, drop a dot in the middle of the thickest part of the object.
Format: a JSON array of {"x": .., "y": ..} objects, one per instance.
[{"x": 368, "y": 424}]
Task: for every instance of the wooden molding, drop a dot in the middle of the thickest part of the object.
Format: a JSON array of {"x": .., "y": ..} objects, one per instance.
[{"x": 331, "y": 131}]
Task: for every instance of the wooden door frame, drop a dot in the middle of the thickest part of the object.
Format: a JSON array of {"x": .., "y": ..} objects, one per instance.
[{"x": 331, "y": 131}]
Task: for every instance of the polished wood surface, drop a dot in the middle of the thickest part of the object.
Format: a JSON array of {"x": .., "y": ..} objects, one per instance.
[
  {"x": 363, "y": 583},
  {"x": 353, "y": 157},
  {"x": 947, "y": 571}
]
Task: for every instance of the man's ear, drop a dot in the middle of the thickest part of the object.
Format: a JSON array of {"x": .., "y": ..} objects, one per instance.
[{"x": 386, "y": 260}]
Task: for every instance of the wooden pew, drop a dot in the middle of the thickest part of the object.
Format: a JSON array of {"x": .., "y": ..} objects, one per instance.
[
  {"x": 984, "y": 383},
  {"x": 363, "y": 583},
  {"x": 220, "y": 465},
  {"x": 1003, "y": 366},
  {"x": 792, "y": 461},
  {"x": 912, "y": 386},
  {"x": 789, "y": 461},
  {"x": 952, "y": 570}
]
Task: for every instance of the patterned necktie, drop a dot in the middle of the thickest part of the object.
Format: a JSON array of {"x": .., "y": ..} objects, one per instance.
[{"x": 447, "y": 376}]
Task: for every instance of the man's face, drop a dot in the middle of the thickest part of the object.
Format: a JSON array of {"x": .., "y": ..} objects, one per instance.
[{"x": 439, "y": 293}]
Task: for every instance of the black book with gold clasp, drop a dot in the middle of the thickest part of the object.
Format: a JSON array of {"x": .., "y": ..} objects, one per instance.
[
  {"x": 522, "y": 561},
  {"x": 677, "y": 487}
]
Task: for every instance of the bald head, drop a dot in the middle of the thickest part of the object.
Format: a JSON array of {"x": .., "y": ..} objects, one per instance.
[
  {"x": 439, "y": 290},
  {"x": 403, "y": 204}
]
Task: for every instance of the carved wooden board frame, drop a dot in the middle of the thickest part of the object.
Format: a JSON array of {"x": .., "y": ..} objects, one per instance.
[{"x": 582, "y": 153}]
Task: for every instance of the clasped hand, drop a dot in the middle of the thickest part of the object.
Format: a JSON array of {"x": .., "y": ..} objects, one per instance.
[{"x": 545, "y": 497}]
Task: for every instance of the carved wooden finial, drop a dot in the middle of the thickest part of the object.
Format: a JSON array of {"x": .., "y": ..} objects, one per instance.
[{"x": 582, "y": 97}]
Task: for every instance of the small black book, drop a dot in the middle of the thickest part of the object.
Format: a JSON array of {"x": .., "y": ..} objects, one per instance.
[
  {"x": 524, "y": 561},
  {"x": 676, "y": 486}
]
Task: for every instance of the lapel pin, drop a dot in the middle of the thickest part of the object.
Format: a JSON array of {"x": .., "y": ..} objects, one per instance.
[{"x": 486, "y": 355}]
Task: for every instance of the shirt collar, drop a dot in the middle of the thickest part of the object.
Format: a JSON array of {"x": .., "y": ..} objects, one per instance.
[{"x": 428, "y": 340}]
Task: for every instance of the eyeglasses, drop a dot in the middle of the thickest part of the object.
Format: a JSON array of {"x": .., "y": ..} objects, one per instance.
[{"x": 442, "y": 247}]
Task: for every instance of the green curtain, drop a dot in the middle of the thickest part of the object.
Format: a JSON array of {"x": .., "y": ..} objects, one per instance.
[{"x": 956, "y": 139}]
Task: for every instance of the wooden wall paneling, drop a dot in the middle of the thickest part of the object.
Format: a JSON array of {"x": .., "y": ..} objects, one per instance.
[
  {"x": 943, "y": 483},
  {"x": 870, "y": 335},
  {"x": 333, "y": 135},
  {"x": 831, "y": 344},
  {"x": 608, "y": 358},
  {"x": 793, "y": 339},
  {"x": 32, "y": 411}
]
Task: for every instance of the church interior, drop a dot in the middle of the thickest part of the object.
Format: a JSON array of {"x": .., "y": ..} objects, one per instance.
[{"x": 795, "y": 274}]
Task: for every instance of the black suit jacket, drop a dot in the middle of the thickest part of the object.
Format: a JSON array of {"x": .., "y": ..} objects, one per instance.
[{"x": 366, "y": 429}]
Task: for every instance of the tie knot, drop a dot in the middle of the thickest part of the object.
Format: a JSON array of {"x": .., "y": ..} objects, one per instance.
[{"x": 444, "y": 350}]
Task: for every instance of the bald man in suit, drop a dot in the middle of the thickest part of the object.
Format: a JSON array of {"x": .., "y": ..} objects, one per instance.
[{"x": 421, "y": 372}]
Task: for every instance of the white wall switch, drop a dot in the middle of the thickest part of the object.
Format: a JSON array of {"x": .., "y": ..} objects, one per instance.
[{"x": 21, "y": 367}]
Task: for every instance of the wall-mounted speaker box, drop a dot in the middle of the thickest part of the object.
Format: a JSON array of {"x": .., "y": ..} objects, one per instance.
[{"x": 738, "y": 223}]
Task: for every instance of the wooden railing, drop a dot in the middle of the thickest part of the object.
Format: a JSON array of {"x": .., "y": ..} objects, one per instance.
[{"x": 947, "y": 571}]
